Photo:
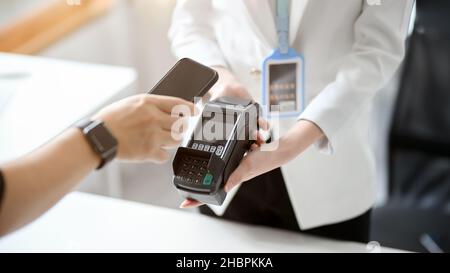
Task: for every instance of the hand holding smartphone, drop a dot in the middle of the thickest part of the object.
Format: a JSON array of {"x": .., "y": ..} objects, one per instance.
[{"x": 187, "y": 79}]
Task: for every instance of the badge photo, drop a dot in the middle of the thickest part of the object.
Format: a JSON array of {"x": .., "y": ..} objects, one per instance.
[{"x": 283, "y": 84}]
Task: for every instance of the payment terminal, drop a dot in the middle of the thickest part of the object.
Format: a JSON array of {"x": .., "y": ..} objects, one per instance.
[{"x": 222, "y": 136}]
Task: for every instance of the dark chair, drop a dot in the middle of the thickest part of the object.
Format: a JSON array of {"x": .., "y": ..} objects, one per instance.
[{"x": 417, "y": 214}]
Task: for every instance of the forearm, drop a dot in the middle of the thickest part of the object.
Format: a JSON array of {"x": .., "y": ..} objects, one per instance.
[
  {"x": 37, "y": 181},
  {"x": 192, "y": 32},
  {"x": 265, "y": 158},
  {"x": 300, "y": 137}
]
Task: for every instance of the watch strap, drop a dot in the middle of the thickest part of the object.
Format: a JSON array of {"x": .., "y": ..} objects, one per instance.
[{"x": 104, "y": 157}]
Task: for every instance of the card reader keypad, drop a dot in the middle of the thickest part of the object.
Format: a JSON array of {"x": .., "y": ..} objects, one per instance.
[{"x": 194, "y": 171}]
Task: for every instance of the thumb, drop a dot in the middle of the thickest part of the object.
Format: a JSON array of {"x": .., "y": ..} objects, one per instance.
[{"x": 236, "y": 177}]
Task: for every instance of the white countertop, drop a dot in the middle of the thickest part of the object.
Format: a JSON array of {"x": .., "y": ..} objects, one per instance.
[
  {"x": 45, "y": 96},
  {"x": 88, "y": 223}
]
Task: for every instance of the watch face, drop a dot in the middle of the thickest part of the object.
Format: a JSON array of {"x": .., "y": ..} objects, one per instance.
[{"x": 102, "y": 139}]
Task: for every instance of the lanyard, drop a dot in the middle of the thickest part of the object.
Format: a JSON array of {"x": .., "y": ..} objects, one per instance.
[
  {"x": 283, "y": 72},
  {"x": 282, "y": 23}
]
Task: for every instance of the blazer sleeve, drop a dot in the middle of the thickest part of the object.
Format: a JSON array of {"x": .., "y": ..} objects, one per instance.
[
  {"x": 380, "y": 32},
  {"x": 192, "y": 32}
]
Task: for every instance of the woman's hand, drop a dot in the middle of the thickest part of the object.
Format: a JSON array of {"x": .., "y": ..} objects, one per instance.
[
  {"x": 266, "y": 157},
  {"x": 143, "y": 126},
  {"x": 228, "y": 86},
  {"x": 263, "y": 158}
]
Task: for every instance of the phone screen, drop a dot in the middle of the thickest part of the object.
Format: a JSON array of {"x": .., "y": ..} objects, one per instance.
[{"x": 186, "y": 79}]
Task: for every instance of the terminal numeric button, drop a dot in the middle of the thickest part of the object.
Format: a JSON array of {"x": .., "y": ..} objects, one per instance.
[
  {"x": 219, "y": 150},
  {"x": 187, "y": 159}
]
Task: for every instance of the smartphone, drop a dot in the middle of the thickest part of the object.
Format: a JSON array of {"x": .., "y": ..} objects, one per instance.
[{"x": 186, "y": 79}]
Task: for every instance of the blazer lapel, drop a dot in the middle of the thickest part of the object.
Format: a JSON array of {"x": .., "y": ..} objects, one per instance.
[
  {"x": 298, "y": 8},
  {"x": 262, "y": 20}
]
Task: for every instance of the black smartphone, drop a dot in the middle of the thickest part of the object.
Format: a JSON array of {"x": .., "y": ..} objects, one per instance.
[{"x": 186, "y": 79}]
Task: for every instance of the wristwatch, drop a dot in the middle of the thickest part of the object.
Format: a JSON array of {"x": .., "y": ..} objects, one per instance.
[{"x": 100, "y": 139}]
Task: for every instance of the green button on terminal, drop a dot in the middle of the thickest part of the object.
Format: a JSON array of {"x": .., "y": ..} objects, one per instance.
[{"x": 208, "y": 179}]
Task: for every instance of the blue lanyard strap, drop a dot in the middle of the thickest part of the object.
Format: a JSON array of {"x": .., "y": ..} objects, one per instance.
[{"x": 283, "y": 25}]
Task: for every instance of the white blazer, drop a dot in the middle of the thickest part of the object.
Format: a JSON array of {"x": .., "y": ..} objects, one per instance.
[{"x": 351, "y": 49}]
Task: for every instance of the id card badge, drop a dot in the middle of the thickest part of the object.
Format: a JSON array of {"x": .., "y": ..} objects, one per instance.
[{"x": 283, "y": 84}]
